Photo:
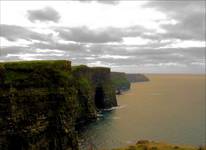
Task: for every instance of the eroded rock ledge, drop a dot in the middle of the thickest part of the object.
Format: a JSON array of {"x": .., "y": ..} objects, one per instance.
[
  {"x": 122, "y": 81},
  {"x": 41, "y": 103}
]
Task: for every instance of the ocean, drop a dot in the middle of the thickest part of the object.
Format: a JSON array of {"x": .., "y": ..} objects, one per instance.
[{"x": 168, "y": 108}]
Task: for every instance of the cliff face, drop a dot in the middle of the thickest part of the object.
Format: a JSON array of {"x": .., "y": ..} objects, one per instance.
[
  {"x": 42, "y": 101},
  {"x": 38, "y": 101},
  {"x": 120, "y": 81},
  {"x": 85, "y": 99},
  {"x": 137, "y": 77},
  {"x": 97, "y": 83},
  {"x": 104, "y": 89}
]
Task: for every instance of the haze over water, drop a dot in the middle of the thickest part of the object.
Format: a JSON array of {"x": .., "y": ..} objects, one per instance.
[{"x": 168, "y": 108}]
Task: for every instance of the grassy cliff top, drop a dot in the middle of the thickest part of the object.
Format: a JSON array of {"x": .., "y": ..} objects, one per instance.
[
  {"x": 35, "y": 73},
  {"x": 137, "y": 77},
  {"x": 120, "y": 81},
  {"x": 30, "y": 65},
  {"x": 81, "y": 68},
  {"x": 101, "y": 69},
  {"x": 147, "y": 145},
  {"x": 84, "y": 66}
]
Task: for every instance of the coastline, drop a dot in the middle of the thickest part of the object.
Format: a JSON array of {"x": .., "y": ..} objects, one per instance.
[{"x": 153, "y": 145}]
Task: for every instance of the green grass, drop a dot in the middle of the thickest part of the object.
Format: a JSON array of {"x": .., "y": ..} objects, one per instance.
[
  {"x": 28, "y": 65},
  {"x": 120, "y": 80},
  {"x": 35, "y": 73},
  {"x": 146, "y": 145},
  {"x": 78, "y": 68}
]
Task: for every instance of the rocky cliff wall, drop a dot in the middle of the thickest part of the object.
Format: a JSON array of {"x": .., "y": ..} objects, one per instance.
[
  {"x": 86, "y": 105},
  {"x": 98, "y": 82},
  {"x": 137, "y": 77},
  {"x": 41, "y": 102},
  {"x": 120, "y": 81},
  {"x": 37, "y": 107},
  {"x": 103, "y": 87}
]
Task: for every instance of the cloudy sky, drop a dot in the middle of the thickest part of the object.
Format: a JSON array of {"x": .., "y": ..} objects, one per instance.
[{"x": 130, "y": 36}]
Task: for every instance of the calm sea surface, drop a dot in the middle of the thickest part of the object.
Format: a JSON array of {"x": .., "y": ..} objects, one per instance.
[{"x": 168, "y": 108}]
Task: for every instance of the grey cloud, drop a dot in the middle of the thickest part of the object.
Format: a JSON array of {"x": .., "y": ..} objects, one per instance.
[
  {"x": 85, "y": 35},
  {"x": 189, "y": 14},
  {"x": 13, "y": 33},
  {"x": 138, "y": 57},
  {"x": 44, "y": 15},
  {"x": 58, "y": 46},
  {"x": 78, "y": 34},
  {"x": 101, "y": 35},
  {"x": 132, "y": 31},
  {"x": 13, "y": 50},
  {"x": 113, "y": 2},
  {"x": 144, "y": 56},
  {"x": 51, "y": 51},
  {"x": 190, "y": 28},
  {"x": 91, "y": 50}
]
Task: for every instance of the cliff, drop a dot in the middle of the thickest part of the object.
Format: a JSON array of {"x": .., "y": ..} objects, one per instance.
[
  {"x": 95, "y": 91},
  {"x": 147, "y": 145},
  {"x": 120, "y": 81},
  {"x": 99, "y": 81},
  {"x": 137, "y": 77},
  {"x": 42, "y": 103},
  {"x": 104, "y": 90}
]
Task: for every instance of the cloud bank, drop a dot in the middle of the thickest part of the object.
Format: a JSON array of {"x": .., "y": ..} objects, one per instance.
[{"x": 171, "y": 41}]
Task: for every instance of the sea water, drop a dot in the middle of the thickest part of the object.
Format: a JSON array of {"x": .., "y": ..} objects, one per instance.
[{"x": 168, "y": 108}]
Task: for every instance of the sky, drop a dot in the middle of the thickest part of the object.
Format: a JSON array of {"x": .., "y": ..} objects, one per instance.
[{"x": 166, "y": 36}]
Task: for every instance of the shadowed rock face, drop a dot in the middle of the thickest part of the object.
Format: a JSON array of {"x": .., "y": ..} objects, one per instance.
[
  {"x": 38, "y": 101},
  {"x": 137, "y": 77},
  {"x": 105, "y": 91},
  {"x": 42, "y": 101},
  {"x": 99, "y": 98},
  {"x": 98, "y": 80},
  {"x": 120, "y": 81}
]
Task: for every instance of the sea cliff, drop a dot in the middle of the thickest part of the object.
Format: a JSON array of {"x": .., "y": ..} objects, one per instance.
[
  {"x": 120, "y": 81},
  {"x": 137, "y": 77},
  {"x": 43, "y": 102}
]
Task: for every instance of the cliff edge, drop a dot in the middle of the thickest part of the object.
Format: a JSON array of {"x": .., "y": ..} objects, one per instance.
[
  {"x": 120, "y": 81},
  {"x": 42, "y": 103},
  {"x": 137, "y": 77}
]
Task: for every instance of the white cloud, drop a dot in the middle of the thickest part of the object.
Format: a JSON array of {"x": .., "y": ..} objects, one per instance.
[
  {"x": 184, "y": 44},
  {"x": 90, "y": 58},
  {"x": 20, "y": 42},
  {"x": 177, "y": 55},
  {"x": 29, "y": 56},
  {"x": 136, "y": 41},
  {"x": 168, "y": 64},
  {"x": 94, "y": 15},
  {"x": 198, "y": 63},
  {"x": 115, "y": 56},
  {"x": 49, "y": 51},
  {"x": 189, "y": 43},
  {"x": 95, "y": 63}
]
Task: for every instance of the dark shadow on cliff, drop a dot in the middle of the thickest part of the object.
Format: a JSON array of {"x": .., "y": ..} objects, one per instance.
[
  {"x": 17, "y": 143},
  {"x": 99, "y": 98}
]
